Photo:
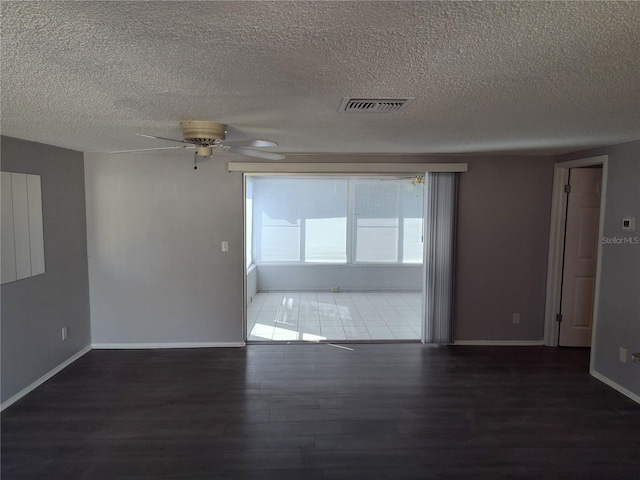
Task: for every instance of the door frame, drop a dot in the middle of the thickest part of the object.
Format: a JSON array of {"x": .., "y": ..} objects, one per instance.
[
  {"x": 349, "y": 237},
  {"x": 327, "y": 169},
  {"x": 556, "y": 245}
]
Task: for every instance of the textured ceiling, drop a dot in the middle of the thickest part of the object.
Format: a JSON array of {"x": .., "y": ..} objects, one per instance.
[{"x": 486, "y": 76}]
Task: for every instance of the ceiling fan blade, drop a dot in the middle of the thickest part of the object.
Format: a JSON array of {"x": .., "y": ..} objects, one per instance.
[
  {"x": 256, "y": 153},
  {"x": 249, "y": 143},
  {"x": 177, "y": 147},
  {"x": 160, "y": 138}
]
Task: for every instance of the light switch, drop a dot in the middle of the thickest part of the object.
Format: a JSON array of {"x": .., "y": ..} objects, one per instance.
[
  {"x": 622, "y": 355},
  {"x": 225, "y": 246}
]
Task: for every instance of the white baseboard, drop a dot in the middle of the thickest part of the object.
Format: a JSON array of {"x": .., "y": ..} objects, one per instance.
[
  {"x": 135, "y": 346},
  {"x": 615, "y": 386},
  {"x": 44, "y": 378},
  {"x": 501, "y": 343}
]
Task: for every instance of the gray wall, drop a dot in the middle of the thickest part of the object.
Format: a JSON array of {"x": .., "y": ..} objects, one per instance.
[
  {"x": 346, "y": 277},
  {"x": 156, "y": 269},
  {"x": 618, "y": 320},
  {"x": 157, "y": 273},
  {"x": 502, "y": 244},
  {"x": 35, "y": 309}
]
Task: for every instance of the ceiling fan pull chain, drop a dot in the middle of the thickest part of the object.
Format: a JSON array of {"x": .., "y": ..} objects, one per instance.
[{"x": 195, "y": 160}]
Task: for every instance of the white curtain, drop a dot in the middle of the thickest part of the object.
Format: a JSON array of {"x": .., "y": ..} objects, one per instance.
[{"x": 440, "y": 221}]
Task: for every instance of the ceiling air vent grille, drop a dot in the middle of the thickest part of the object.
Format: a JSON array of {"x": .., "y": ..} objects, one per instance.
[{"x": 379, "y": 105}]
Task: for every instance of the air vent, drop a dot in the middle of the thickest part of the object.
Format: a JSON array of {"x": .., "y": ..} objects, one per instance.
[{"x": 379, "y": 105}]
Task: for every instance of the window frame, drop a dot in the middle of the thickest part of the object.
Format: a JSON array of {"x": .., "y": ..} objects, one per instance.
[{"x": 351, "y": 224}]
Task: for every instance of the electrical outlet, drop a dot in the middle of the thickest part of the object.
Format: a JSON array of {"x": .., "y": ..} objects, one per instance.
[
  {"x": 622, "y": 356},
  {"x": 335, "y": 289},
  {"x": 225, "y": 246},
  {"x": 516, "y": 318},
  {"x": 65, "y": 333}
]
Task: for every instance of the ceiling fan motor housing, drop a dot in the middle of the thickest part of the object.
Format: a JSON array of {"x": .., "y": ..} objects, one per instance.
[{"x": 203, "y": 132}]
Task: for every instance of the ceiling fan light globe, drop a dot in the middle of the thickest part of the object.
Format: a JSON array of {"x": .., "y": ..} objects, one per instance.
[{"x": 204, "y": 151}]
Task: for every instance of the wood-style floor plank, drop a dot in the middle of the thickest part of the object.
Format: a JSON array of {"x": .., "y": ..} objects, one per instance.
[{"x": 319, "y": 412}]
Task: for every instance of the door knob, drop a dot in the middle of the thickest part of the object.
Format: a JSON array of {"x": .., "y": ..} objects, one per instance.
[{"x": 635, "y": 357}]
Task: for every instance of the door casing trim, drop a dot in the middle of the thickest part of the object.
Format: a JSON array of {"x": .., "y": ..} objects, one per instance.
[{"x": 556, "y": 243}]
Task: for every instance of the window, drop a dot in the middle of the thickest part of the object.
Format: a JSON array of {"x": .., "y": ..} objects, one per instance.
[
  {"x": 411, "y": 201},
  {"x": 336, "y": 220},
  {"x": 325, "y": 240},
  {"x": 412, "y": 240},
  {"x": 280, "y": 239},
  {"x": 376, "y": 213},
  {"x": 324, "y": 209}
]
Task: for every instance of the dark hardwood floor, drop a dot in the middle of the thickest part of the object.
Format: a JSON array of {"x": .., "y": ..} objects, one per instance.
[{"x": 404, "y": 411}]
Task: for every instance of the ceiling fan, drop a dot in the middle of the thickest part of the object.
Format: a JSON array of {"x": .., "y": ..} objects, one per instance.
[{"x": 208, "y": 138}]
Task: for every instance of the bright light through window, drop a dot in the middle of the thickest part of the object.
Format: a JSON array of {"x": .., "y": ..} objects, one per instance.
[
  {"x": 336, "y": 220},
  {"x": 412, "y": 241},
  {"x": 377, "y": 240},
  {"x": 249, "y": 223},
  {"x": 280, "y": 239},
  {"x": 325, "y": 240}
]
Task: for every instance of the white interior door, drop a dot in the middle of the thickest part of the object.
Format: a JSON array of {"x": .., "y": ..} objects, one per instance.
[{"x": 580, "y": 255}]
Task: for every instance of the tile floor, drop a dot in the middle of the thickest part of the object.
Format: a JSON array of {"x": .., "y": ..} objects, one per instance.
[{"x": 318, "y": 316}]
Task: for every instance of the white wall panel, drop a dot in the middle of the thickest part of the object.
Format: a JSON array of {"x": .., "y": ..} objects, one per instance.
[
  {"x": 8, "y": 244},
  {"x": 36, "y": 237},
  {"x": 21, "y": 225},
  {"x": 22, "y": 233}
]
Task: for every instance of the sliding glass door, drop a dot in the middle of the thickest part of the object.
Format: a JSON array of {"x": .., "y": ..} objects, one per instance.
[{"x": 334, "y": 258}]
